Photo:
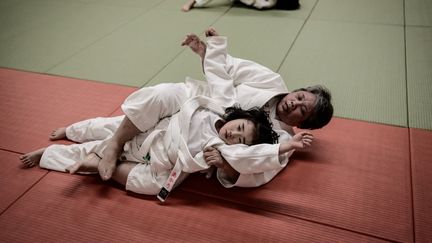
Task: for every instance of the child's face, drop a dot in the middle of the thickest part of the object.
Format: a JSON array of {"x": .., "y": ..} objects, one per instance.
[
  {"x": 296, "y": 107},
  {"x": 238, "y": 131}
]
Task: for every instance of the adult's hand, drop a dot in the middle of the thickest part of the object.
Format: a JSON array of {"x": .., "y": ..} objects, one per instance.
[
  {"x": 195, "y": 44},
  {"x": 300, "y": 141}
]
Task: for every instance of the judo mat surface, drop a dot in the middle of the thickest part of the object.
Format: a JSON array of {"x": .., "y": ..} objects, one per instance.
[{"x": 365, "y": 179}]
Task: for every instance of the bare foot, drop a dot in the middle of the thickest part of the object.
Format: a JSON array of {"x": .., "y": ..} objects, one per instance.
[
  {"x": 33, "y": 158},
  {"x": 195, "y": 44},
  {"x": 107, "y": 165},
  {"x": 58, "y": 133},
  {"x": 211, "y": 32},
  {"x": 188, "y": 6},
  {"x": 88, "y": 165}
]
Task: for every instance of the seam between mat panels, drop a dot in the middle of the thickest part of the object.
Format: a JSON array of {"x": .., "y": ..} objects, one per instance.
[
  {"x": 295, "y": 39},
  {"x": 28, "y": 189},
  {"x": 101, "y": 38},
  {"x": 408, "y": 124},
  {"x": 25, "y": 192},
  {"x": 178, "y": 54}
]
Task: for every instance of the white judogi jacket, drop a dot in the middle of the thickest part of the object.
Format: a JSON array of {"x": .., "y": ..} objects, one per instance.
[
  {"x": 255, "y": 85},
  {"x": 230, "y": 80}
]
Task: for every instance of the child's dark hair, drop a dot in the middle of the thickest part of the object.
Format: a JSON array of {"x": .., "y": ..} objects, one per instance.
[{"x": 261, "y": 120}]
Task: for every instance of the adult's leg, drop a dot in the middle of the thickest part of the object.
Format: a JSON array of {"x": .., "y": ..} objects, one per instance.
[
  {"x": 122, "y": 172},
  {"x": 144, "y": 109},
  {"x": 124, "y": 133}
]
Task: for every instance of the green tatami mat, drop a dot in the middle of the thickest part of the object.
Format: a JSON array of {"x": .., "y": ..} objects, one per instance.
[
  {"x": 418, "y": 12},
  {"x": 364, "y": 11},
  {"x": 363, "y": 66},
  {"x": 187, "y": 64},
  {"x": 419, "y": 75},
  {"x": 38, "y": 35},
  {"x": 241, "y": 29},
  {"x": 264, "y": 37},
  {"x": 139, "y": 50}
]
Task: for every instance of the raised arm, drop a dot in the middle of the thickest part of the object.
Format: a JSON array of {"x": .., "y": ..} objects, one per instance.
[
  {"x": 214, "y": 63},
  {"x": 221, "y": 84}
]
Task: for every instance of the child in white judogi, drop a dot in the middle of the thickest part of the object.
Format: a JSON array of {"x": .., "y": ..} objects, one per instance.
[{"x": 151, "y": 151}]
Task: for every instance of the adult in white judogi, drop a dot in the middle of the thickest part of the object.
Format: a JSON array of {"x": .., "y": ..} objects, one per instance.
[
  {"x": 154, "y": 150},
  {"x": 255, "y": 85}
]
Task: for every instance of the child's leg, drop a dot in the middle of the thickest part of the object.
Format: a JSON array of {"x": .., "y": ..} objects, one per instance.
[
  {"x": 88, "y": 165},
  {"x": 57, "y": 134},
  {"x": 33, "y": 158},
  {"x": 122, "y": 172},
  {"x": 60, "y": 157}
]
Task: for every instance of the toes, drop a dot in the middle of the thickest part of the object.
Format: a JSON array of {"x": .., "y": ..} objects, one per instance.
[
  {"x": 24, "y": 159},
  {"x": 29, "y": 163}
]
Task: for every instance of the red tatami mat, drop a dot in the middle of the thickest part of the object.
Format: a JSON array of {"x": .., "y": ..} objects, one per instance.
[
  {"x": 32, "y": 105},
  {"x": 66, "y": 208},
  {"x": 356, "y": 177},
  {"x": 15, "y": 180},
  {"x": 421, "y": 159}
]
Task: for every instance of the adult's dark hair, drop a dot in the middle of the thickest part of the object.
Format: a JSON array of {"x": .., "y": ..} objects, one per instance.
[
  {"x": 263, "y": 125},
  {"x": 323, "y": 111}
]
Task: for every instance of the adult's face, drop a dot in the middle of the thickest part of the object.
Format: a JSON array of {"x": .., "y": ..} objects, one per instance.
[{"x": 296, "y": 107}]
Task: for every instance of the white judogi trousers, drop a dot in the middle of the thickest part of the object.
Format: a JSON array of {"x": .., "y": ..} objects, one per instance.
[
  {"x": 142, "y": 179},
  {"x": 92, "y": 135}
]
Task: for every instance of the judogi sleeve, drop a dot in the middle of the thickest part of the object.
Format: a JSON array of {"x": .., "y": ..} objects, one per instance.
[
  {"x": 257, "y": 164},
  {"x": 221, "y": 84},
  {"x": 248, "y": 82},
  {"x": 247, "y": 180},
  {"x": 241, "y": 71}
]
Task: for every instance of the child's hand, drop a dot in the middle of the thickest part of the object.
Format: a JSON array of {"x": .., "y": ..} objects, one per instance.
[
  {"x": 302, "y": 140},
  {"x": 213, "y": 157}
]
